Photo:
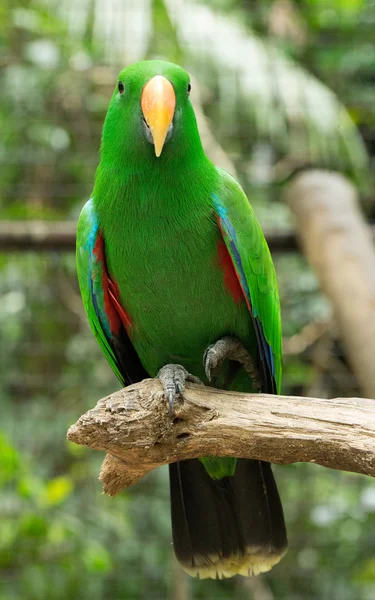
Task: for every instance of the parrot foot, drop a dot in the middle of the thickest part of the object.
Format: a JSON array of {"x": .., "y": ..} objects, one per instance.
[
  {"x": 229, "y": 348},
  {"x": 173, "y": 379}
]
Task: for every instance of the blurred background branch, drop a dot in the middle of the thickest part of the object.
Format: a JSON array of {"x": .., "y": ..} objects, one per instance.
[
  {"x": 338, "y": 244},
  {"x": 41, "y": 236}
]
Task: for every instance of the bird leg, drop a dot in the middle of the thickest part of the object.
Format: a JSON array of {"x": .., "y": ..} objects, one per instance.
[
  {"x": 229, "y": 348},
  {"x": 173, "y": 379}
]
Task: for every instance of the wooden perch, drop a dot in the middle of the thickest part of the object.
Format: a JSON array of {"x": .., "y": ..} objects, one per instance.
[
  {"x": 338, "y": 243},
  {"x": 135, "y": 428}
]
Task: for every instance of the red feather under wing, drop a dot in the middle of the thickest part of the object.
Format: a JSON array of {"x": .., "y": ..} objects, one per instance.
[
  {"x": 114, "y": 294},
  {"x": 231, "y": 280},
  {"x": 116, "y": 314}
]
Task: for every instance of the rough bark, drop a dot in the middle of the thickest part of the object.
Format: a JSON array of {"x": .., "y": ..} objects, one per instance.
[
  {"x": 339, "y": 246},
  {"x": 135, "y": 428}
]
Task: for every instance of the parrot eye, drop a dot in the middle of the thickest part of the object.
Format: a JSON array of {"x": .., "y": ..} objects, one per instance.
[
  {"x": 120, "y": 87},
  {"x": 189, "y": 88}
]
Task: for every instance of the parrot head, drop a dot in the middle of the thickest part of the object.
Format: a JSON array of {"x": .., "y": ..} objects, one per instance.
[{"x": 150, "y": 115}]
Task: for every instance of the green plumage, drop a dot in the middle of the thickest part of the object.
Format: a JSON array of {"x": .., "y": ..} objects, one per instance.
[{"x": 160, "y": 224}]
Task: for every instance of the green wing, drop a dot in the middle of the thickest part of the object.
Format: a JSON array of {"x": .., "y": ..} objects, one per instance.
[
  {"x": 89, "y": 278},
  {"x": 254, "y": 267},
  {"x": 108, "y": 319}
]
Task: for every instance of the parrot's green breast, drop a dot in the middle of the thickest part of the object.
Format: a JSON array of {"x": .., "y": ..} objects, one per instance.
[{"x": 170, "y": 279}]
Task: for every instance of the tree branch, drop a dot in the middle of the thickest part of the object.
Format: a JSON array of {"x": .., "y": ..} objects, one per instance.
[
  {"x": 338, "y": 243},
  {"x": 37, "y": 235},
  {"x": 41, "y": 236},
  {"x": 135, "y": 428}
]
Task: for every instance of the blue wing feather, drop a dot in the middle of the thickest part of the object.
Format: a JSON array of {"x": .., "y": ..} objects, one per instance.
[
  {"x": 104, "y": 312},
  {"x": 264, "y": 348}
]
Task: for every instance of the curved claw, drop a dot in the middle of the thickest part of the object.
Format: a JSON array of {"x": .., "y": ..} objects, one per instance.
[
  {"x": 229, "y": 348},
  {"x": 171, "y": 399},
  {"x": 209, "y": 361},
  {"x": 173, "y": 379}
]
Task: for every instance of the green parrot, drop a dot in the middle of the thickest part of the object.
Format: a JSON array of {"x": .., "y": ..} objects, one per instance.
[{"x": 178, "y": 283}]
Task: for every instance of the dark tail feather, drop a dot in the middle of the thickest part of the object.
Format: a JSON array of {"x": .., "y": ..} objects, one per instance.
[{"x": 226, "y": 527}]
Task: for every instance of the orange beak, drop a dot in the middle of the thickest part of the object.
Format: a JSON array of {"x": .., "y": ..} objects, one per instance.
[{"x": 158, "y": 104}]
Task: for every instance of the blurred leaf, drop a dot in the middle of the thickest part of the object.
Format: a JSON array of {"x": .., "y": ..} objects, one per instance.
[
  {"x": 57, "y": 532},
  {"x": 10, "y": 463},
  {"x": 33, "y": 525},
  {"x": 76, "y": 449},
  {"x": 367, "y": 573},
  {"x": 97, "y": 559},
  {"x": 30, "y": 487},
  {"x": 57, "y": 490}
]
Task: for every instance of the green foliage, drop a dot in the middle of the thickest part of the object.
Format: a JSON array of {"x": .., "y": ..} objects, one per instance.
[{"x": 59, "y": 537}]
